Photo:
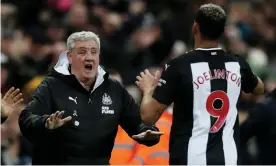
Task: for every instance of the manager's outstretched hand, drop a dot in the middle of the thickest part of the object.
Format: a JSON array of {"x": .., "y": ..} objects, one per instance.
[
  {"x": 11, "y": 101},
  {"x": 55, "y": 121},
  {"x": 148, "y": 135}
]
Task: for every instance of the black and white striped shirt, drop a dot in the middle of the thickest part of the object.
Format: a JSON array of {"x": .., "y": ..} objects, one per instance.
[{"x": 205, "y": 85}]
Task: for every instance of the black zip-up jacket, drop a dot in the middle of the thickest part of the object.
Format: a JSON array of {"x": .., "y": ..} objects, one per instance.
[
  {"x": 89, "y": 138},
  {"x": 261, "y": 123}
]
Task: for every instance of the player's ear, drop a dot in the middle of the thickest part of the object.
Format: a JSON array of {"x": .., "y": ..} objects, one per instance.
[
  {"x": 69, "y": 56},
  {"x": 195, "y": 27}
]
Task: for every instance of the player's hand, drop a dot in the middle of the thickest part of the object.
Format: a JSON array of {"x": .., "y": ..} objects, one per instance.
[
  {"x": 147, "y": 82},
  {"x": 11, "y": 101},
  {"x": 148, "y": 135},
  {"x": 55, "y": 120}
]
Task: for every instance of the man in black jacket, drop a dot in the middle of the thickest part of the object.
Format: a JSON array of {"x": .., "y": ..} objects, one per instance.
[
  {"x": 91, "y": 105},
  {"x": 261, "y": 123}
]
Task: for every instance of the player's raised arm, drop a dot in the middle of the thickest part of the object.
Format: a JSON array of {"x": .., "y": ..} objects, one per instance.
[
  {"x": 157, "y": 93},
  {"x": 151, "y": 109}
]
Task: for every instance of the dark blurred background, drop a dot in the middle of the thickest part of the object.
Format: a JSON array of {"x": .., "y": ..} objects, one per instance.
[{"x": 134, "y": 34}]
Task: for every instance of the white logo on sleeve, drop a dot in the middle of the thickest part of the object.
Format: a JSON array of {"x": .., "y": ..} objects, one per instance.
[
  {"x": 73, "y": 99},
  {"x": 166, "y": 66},
  {"x": 161, "y": 82},
  {"x": 106, "y": 100}
]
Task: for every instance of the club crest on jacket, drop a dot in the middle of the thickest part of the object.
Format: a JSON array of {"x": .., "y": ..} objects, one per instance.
[{"x": 106, "y": 100}]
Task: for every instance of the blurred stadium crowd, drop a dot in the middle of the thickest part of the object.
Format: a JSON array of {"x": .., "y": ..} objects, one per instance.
[{"x": 134, "y": 34}]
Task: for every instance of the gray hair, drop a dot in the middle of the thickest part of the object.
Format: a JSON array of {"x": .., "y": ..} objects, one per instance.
[{"x": 83, "y": 36}]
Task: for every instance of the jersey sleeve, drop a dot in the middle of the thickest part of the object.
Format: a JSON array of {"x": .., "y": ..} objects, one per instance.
[
  {"x": 249, "y": 79},
  {"x": 168, "y": 83}
]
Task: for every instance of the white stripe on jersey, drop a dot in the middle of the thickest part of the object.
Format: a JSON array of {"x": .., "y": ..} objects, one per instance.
[
  {"x": 202, "y": 123},
  {"x": 233, "y": 91}
]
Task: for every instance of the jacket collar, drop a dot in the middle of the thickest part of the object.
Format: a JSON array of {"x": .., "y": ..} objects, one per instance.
[{"x": 62, "y": 67}]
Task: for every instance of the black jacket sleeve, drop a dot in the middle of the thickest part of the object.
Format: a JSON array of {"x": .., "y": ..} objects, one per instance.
[
  {"x": 255, "y": 123},
  {"x": 131, "y": 121},
  {"x": 33, "y": 118}
]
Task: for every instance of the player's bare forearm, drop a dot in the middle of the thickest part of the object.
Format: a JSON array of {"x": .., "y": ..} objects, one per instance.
[
  {"x": 149, "y": 114},
  {"x": 151, "y": 110}
]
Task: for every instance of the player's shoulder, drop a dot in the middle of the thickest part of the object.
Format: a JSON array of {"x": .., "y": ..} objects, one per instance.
[
  {"x": 185, "y": 59},
  {"x": 190, "y": 54},
  {"x": 182, "y": 59},
  {"x": 241, "y": 60}
]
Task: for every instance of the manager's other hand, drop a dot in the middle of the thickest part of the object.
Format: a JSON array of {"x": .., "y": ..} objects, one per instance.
[{"x": 55, "y": 120}]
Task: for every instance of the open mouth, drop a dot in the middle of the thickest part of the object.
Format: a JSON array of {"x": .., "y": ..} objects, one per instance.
[{"x": 88, "y": 67}]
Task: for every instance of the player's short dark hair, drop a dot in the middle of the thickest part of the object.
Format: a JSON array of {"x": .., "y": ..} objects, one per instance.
[{"x": 211, "y": 19}]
